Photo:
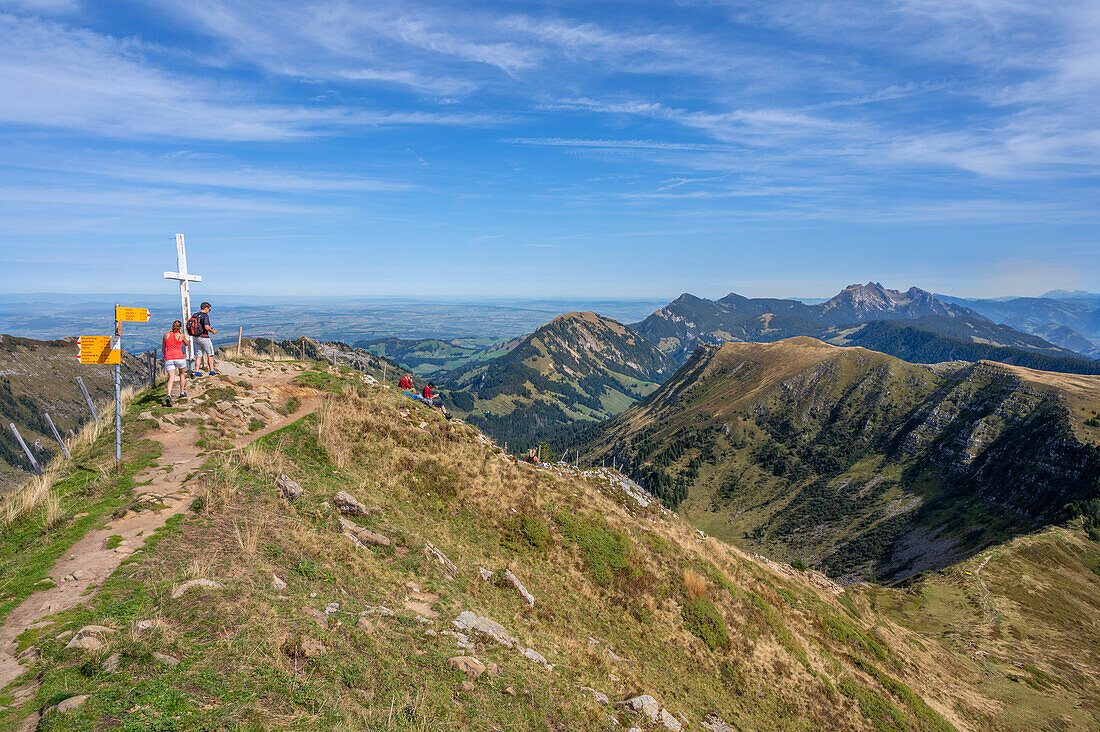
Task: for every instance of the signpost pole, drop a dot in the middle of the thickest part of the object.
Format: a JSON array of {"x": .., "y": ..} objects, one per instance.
[
  {"x": 118, "y": 395},
  {"x": 88, "y": 398},
  {"x": 240, "y": 332},
  {"x": 30, "y": 455},
  {"x": 64, "y": 450}
]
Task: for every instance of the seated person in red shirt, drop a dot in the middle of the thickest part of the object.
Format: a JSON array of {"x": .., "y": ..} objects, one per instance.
[
  {"x": 406, "y": 382},
  {"x": 428, "y": 398}
]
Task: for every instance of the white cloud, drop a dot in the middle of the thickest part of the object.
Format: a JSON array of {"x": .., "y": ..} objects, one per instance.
[{"x": 58, "y": 76}]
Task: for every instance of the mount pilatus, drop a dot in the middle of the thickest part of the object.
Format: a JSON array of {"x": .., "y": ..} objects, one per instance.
[
  {"x": 914, "y": 325},
  {"x": 578, "y": 368}
]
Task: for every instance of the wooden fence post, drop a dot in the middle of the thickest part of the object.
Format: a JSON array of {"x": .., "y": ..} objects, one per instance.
[
  {"x": 64, "y": 450},
  {"x": 240, "y": 332},
  {"x": 30, "y": 455},
  {"x": 88, "y": 398}
]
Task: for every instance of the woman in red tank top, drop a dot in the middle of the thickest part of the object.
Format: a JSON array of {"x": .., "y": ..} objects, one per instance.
[{"x": 175, "y": 359}]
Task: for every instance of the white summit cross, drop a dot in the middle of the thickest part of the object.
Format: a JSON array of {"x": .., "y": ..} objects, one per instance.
[{"x": 185, "y": 281}]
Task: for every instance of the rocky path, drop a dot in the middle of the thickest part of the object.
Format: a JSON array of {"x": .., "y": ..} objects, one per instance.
[{"x": 164, "y": 490}]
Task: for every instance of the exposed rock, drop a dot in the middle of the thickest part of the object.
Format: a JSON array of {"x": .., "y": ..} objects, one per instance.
[
  {"x": 166, "y": 659},
  {"x": 349, "y": 504},
  {"x": 29, "y": 655},
  {"x": 714, "y": 723},
  {"x": 467, "y": 686},
  {"x": 88, "y": 638},
  {"x": 492, "y": 668},
  {"x": 64, "y": 634},
  {"x": 288, "y": 489},
  {"x": 191, "y": 584},
  {"x": 644, "y": 704},
  {"x": 449, "y": 567},
  {"x": 484, "y": 573},
  {"x": 361, "y": 535},
  {"x": 467, "y": 620},
  {"x": 80, "y": 574},
  {"x": 277, "y": 583},
  {"x": 601, "y": 698},
  {"x": 670, "y": 722},
  {"x": 467, "y": 665},
  {"x": 71, "y": 703},
  {"x": 512, "y": 580},
  {"x": 144, "y": 624},
  {"x": 461, "y": 639},
  {"x": 331, "y": 608},
  {"x": 377, "y": 610},
  {"x": 532, "y": 655},
  {"x": 318, "y": 617},
  {"x": 112, "y": 663},
  {"x": 312, "y": 647}
]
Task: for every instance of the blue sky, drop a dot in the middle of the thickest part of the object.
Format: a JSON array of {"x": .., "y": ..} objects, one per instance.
[{"x": 786, "y": 147}]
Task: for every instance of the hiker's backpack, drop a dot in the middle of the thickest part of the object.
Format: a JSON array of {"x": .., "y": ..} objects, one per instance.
[{"x": 194, "y": 327}]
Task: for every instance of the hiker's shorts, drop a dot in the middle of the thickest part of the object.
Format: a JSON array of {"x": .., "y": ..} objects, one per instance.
[
  {"x": 177, "y": 364},
  {"x": 204, "y": 346}
]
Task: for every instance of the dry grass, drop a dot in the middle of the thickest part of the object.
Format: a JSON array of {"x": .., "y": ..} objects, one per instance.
[
  {"x": 37, "y": 492},
  {"x": 247, "y": 535},
  {"x": 695, "y": 584}
]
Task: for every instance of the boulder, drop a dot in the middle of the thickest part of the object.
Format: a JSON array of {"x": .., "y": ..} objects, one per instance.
[
  {"x": 288, "y": 489},
  {"x": 166, "y": 659},
  {"x": 467, "y": 686},
  {"x": 467, "y": 665},
  {"x": 88, "y": 638},
  {"x": 362, "y": 536},
  {"x": 492, "y": 668},
  {"x": 192, "y": 584},
  {"x": 349, "y": 504},
  {"x": 112, "y": 663},
  {"x": 277, "y": 583},
  {"x": 509, "y": 691},
  {"x": 644, "y": 704},
  {"x": 71, "y": 703},
  {"x": 670, "y": 722}
]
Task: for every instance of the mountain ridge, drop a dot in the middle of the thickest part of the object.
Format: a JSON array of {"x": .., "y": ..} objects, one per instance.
[{"x": 895, "y": 460}]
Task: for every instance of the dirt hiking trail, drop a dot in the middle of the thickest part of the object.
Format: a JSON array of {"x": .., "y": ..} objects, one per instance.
[{"x": 229, "y": 404}]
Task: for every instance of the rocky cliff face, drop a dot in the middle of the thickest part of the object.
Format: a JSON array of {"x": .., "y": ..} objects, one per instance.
[{"x": 852, "y": 459}]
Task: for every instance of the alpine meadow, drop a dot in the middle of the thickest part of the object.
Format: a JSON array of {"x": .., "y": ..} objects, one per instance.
[{"x": 655, "y": 367}]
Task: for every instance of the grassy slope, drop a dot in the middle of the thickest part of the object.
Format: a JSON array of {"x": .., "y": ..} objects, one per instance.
[
  {"x": 762, "y": 646},
  {"x": 805, "y": 450},
  {"x": 1032, "y": 627}
]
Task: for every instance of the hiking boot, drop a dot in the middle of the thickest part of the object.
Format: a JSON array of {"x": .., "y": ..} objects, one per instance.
[
  {"x": 196, "y": 373},
  {"x": 182, "y": 395},
  {"x": 168, "y": 400},
  {"x": 213, "y": 373}
]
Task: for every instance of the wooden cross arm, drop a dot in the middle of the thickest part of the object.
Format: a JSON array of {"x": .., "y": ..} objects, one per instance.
[{"x": 182, "y": 277}]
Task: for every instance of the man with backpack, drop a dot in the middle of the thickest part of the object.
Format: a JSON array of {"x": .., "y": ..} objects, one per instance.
[{"x": 198, "y": 327}]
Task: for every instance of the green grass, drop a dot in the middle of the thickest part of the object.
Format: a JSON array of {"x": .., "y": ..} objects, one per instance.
[
  {"x": 605, "y": 550},
  {"x": 28, "y": 548}
]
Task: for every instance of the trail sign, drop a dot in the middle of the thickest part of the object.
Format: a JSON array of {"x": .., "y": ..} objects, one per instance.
[
  {"x": 98, "y": 349},
  {"x": 131, "y": 315}
]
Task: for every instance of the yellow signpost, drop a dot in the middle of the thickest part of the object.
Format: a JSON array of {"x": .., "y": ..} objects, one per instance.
[
  {"x": 97, "y": 349},
  {"x": 108, "y": 350},
  {"x": 131, "y": 315}
]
